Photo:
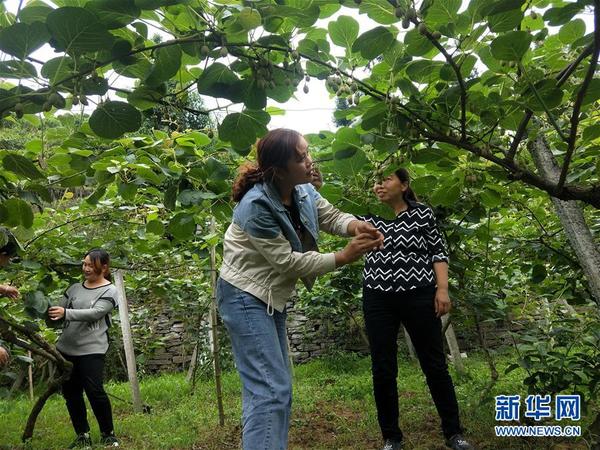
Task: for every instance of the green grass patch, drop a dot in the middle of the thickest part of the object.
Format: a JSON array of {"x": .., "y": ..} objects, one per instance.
[{"x": 333, "y": 409}]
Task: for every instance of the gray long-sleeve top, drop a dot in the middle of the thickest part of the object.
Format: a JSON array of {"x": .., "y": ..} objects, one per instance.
[{"x": 87, "y": 319}]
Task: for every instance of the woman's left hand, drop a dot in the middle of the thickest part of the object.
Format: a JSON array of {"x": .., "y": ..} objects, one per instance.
[
  {"x": 442, "y": 302},
  {"x": 317, "y": 178},
  {"x": 56, "y": 312}
]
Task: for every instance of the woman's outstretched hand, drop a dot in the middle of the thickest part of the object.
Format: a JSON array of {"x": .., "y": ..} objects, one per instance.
[
  {"x": 4, "y": 357},
  {"x": 358, "y": 246},
  {"x": 358, "y": 227},
  {"x": 56, "y": 312},
  {"x": 9, "y": 291}
]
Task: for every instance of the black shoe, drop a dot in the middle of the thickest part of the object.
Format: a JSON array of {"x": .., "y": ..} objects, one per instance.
[
  {"x": 83, "y": 440},
  {"x": 391, "y": 444},
  {"x": 458, "y": 442},
  {"x": 109, "y": 440}
]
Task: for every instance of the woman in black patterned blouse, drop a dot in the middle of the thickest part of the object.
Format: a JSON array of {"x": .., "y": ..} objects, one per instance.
[{"x": 407, "y": 282}]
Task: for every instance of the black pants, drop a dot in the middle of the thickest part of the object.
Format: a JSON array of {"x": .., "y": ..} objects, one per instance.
[
  {"x": 383, "y": 313},
  {"x": 88, "y": 376}
]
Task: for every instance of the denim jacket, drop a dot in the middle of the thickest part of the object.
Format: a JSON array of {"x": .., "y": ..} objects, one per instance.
[{"x": 263, "y": 255}]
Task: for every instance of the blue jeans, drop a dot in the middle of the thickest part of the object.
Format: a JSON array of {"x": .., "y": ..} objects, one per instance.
[{"x": 259, "y": 344}]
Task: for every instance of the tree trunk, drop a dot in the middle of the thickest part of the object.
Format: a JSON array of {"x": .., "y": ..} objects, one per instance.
[
  {"x": 571, "y": 216},
  {"x": 138, "y": 407}
]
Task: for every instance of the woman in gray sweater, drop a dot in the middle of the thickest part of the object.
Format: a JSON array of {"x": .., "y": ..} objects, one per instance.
[{"x": 84, "y": 312}]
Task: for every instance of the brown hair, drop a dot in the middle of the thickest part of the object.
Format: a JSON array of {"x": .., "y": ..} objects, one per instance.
[
  {"x": 100, "y": 257},
  {"x": 274, "y": 150},
  {"x": 404, "y": 176}
]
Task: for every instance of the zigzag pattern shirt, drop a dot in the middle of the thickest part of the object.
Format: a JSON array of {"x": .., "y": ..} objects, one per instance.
[{"x": 412, "y": 243}]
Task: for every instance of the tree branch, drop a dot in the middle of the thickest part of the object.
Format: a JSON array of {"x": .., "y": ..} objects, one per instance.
[
  {"x": 589, "y": 194},
  {"x": 580, "y": 96},
  {"x": 561, "y": 79},
  {"x": 459, "y": 77},
  {"x": 61, "y": 225}
]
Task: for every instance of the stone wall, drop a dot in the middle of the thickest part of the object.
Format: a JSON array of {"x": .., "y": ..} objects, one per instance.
[
  {"x": 175, "y": 350},
  {"x": 309, "y": 337}
]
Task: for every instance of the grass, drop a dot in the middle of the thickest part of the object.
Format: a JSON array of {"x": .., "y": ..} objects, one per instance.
[{"x": 333, "y": 409}]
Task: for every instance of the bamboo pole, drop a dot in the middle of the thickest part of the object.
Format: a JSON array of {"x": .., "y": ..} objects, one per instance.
[
  {"x": 30, "y": 373},
  {"x": 128, "y": 343},
  {"x": 214, "y": 337}
]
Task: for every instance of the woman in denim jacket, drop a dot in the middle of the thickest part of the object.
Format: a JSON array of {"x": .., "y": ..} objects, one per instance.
[{"x": 270, "y": 244}]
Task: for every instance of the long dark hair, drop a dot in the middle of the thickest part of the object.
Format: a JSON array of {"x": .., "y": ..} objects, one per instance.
[
  {"x": 99, "y": 258},
  {"x": 404, "y": 176},
  {"x": 274, "y": 150}
]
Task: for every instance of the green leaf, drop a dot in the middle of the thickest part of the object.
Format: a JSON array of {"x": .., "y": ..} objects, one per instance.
[
  {"x": 170, "y": 197},
  {"x": 127, "y": 191},
  {"x": 381, "y": 11},
  {"x": 560, "y": 16},
  {"x": 36, "y": 304},
  {"x": 373, "y": 43},
  {"x": 114, "y": 13},
  {"x": 592, "y": 94},
  {"x": 347, "y": 165},
  {"x": 417, "y": 44},
  {"x": 155, "y": 227},
  {"x": 182, "y": 226},
  {"x": 491, "y": 198},
  {"x": 91, "y": 86},
  {"x": 21, "y": 166},
  {"x": 15, "y": 212},
  {"x": 511, "y": 46},
  {"x": 373, "y": 117},
  {"x": 95, "y": 197},
  {"x": 571, "y": 31},
  {"x": 505, "y": 21},
  {"x": 547, "y": 90},
  {"x": 144, "y": 98},
  {"x": 443, "y": 12},
  {"x": 242, "y": 129},
  {"x": 189, "y": 197},
  {"x": 167, "y": 61},
  {"x": 424, "y": 70},
  {"x": 446, "y": 195},
  {"x": 248, "y": 19},
  {"x": 343, "y": 31},
  {"x": 427, "y": 183},
  {"x": 538, "y": 273},
  {"x": 17, "y": 69},
  {"x": 154, "y": 4},
  {"x": 219, "y": 81},
  {"x": 112, "y": 119},
  {"x": 57, "y": 69},
  {"x": 592, "y": 132},
  {"x": 216, "y": 169},
  {"x": 35, "y": 11},
  {"x": 21, "y": 39},
  {"x": 78, "y": 30}
]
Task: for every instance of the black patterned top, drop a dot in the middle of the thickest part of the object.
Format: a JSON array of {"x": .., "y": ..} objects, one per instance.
[{"x": 412, "y": 244}]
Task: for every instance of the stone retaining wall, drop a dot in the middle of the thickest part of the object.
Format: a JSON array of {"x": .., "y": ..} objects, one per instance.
[{"x": 309, "y": 337}]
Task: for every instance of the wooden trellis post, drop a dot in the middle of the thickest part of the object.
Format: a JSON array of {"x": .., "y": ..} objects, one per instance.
[
  {"x": 30, "y": 373},
  {"x": 450, "y": 339},
  {"x": 128, "y": 343},
  {"x": 214, "y": 336},
  {"x": 453, "y": 344}
]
